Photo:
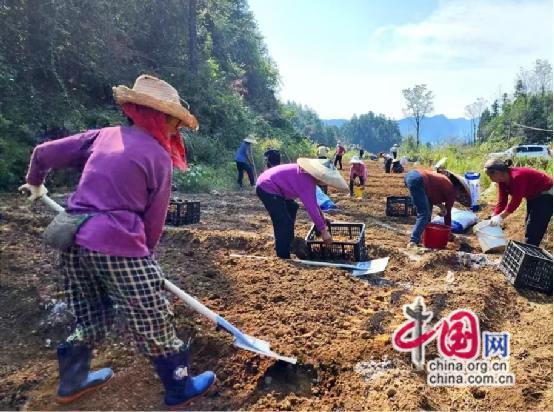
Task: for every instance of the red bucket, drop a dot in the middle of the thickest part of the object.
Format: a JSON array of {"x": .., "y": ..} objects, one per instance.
[{"x": 435, "y": 236}]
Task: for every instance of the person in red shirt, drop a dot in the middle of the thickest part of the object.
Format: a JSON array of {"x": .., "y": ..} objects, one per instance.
[
  {"x": 358, "y": 170},
  {"x": 519, "y": 183},
  {"x": 431, "y": 188},
  {"x": 339, "y": 151}
]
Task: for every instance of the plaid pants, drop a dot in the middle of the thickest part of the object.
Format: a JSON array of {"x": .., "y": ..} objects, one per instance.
[{"x": 96, "y": 284}]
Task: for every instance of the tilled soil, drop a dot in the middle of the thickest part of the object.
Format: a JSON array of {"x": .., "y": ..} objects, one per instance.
[{"x": 338, "y": 327}]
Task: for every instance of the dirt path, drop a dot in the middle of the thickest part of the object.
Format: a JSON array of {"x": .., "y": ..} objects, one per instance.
[{"x": 335, "y": 324}]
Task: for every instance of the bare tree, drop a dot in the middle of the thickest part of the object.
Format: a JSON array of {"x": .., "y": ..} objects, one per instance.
[
  {"x": 538, "y": 79},
  {"x": 474, "y": 112},
  {"x": 419, "y": 102}
]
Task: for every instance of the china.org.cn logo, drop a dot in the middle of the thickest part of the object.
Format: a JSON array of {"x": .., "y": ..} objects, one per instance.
[{"x": 459, "y": 343}]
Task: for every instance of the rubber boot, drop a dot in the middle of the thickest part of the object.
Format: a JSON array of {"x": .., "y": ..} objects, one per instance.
[
  {"x": 180, "y": 388},
  {"x": 75, "y": 376}
]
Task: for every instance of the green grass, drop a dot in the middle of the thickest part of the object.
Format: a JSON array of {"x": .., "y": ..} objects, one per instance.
[{"x": 461, "y": 158}]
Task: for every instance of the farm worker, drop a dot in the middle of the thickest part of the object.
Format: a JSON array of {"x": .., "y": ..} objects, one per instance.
[
  {"x": 397, "y": 167},
  {"x": 279, "y": 186},
  {"x": 388, "y": 161},
  {"x": 394, "y": 151},
  {"x": 244, "y": 160},
  {"x": 357, "y": 170},
  {"x": 322, "y": 151},
  {"x": 362, "y": 151},
  {"x": 519, "y": 183},
  {"x": 339, "y": 152},
  {"x": 125, "y": 187},
  {"x": 272, "y": 157},
  {"x": 432, "y": 188}
]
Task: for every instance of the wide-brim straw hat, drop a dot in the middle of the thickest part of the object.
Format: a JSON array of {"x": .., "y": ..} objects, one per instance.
[
  {"x": 324, "y": 170},
  {"x": 152, "y": 92},
  {"x": 356, "y": 160},
  {"x": 250, "y": 139},
  {"x": 464, "y": 196}
]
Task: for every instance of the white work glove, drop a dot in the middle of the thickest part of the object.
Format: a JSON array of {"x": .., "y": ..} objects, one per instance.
[
  {"x": 496, "y": 220},
  {"x": 36, "y": 191}
]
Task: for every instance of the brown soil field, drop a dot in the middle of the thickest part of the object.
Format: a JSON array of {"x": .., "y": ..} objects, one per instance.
[{"x": 335, "y": 324}]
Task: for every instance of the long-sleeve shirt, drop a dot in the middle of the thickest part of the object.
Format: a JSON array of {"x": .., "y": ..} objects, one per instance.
[
  {"x": 322, "y": 151},
  {"x": 439, "y": 190},
  {"x": 291, "y": 182},
  {"x": 524, "y": 183},
  {"x": 125, "y": 184},
  {"x": 340, "y": 150},
  {"x": 243, "y": 153},
  {"x": 358, "y": 169}
]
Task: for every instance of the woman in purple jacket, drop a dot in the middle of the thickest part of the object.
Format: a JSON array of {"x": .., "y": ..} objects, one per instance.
[
  {"x": 279, "y": 186},
  {"x": 125, "y": 187}
]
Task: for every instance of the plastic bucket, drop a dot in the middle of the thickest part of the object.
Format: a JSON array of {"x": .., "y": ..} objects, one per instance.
[
  {"x": 358, "y": 191},
  {"x": 435, "y": 236},
  {"x": 472, "y": 179},
  {"x": 491, "y": 238}
]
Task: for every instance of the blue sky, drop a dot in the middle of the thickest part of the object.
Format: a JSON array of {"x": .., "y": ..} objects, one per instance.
[{"x": 345, "y": 57}]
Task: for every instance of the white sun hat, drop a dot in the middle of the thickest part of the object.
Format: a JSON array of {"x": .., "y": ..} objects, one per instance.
[
  {"x": 250, "y": 139},
  {"x": 152, "y": 92},
  {"x": 324, "y": 170},
  {"x": 356, "y": 160}
]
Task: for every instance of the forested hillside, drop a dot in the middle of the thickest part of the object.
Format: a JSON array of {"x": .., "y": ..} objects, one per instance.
[{"x": 60, "y": 59}]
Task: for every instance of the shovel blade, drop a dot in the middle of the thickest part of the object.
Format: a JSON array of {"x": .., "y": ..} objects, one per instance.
[{"x": 260, "y": 347}]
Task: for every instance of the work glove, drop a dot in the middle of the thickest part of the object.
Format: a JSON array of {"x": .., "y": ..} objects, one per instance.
[
  {"x": 496, "y": 220},
  {"x": 36, "y": 191},
  {"x": 327, "y": 238}
]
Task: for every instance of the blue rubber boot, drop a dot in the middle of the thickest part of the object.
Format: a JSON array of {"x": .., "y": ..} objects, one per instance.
[
  {"x": 180, "y": 388},
  {"x": 75, "y": 376}
]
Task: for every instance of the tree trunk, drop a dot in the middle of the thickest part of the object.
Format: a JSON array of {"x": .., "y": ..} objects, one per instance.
[
  {"x": 192, "y": 40},
  {"x": 417, "y": 132}
]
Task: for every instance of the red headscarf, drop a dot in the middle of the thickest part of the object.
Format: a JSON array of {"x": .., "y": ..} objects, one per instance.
[{"x": 154, "y": 122}]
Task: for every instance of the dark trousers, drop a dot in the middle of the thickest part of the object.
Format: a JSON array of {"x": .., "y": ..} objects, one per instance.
[
  {"x": 245, "y": 167},
  {"x": 388, "y": 164},
  {"x": 539, "y": 213},
  {"x": 338, "y": 159},
  {"x": 361, "y": 180},
  {"x": 283, "y": 216}
]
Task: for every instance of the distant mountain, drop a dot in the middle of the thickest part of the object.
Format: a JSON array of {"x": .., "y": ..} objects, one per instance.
[
  {"x": 434, "y": 129},
  {"x": 334, "y": 122},
  {"x": 437, "y": 129}
]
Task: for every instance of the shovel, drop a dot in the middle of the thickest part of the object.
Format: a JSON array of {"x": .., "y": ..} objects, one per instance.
[
  {"x": 242, "y": 340},
  {"x": 368, "y": 267}
]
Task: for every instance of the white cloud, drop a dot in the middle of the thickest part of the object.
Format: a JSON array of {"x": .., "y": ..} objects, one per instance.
[
  {"x": 463, "y": 50},
  {"x": 469, "y": 33}
]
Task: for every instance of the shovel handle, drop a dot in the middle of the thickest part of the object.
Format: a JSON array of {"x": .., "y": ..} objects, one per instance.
[
  {"x": 52, "y": 204},
  {"x": 190, "y": 301}
]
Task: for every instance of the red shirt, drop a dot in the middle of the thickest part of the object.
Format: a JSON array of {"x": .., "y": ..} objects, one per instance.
[
  {"x": 524, "y": 183},
  {"x": 340, "y": 150},
  {"x": 439, "y": 189},
  {"x": 358, "y": 169}
]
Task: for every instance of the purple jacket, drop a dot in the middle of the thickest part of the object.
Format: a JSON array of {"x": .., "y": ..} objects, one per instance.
[
  {"x": 291, "y": 182},
  {"x": 125, "y": 184}
]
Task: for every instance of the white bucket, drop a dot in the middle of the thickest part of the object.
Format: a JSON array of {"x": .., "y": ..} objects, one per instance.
[{"x": 491, "y": 238}]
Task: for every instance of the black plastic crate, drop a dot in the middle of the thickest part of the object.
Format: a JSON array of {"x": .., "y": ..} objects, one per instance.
[
  {"x": 182, "y": 212},
  {"x": 353, "y": 249},
  {"x": 527, "y": 266},
  {"x": 400, "y": 206}
]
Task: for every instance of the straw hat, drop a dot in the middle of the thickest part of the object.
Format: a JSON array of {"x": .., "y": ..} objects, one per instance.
[
  {"x": 355, "y": 160},
  {"x": 152, "y": 92},
  {"x": 250, "y": 139},
  {"x": 464, "y": 195},
  {"x": 323, "y": 169}
]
